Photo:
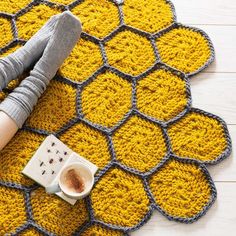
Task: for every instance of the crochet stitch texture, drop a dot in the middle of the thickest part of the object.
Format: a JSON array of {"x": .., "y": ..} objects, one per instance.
[{"x": 121, "y": 99}]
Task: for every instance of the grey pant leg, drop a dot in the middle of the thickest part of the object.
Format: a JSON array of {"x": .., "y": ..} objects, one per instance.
[
  {"x": 24, "y": 57},
  {"x": 19, "y": 104}
]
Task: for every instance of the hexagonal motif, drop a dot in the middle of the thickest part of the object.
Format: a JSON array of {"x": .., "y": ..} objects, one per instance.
[
  {"x": 101, "y": 99},
  {"x": 99, "y": 18},
  {"x": 13, "y": 6},
  {"x": 31, "y": 21},
  {"x": 138, "y": 13},
  {"x": 100, "y": 231},
  {"x": 181, "y": 189},
  {"x": 129, "y": 52},
  {"x": 56, "y": 215},
  {"x": 88, "y": 142},
  {"x": 12, "y": 210},
  {"x": 184, "y": 48},
  {"x": 82, "y": 62},
  {"x": 15, "y": 156},
  {"x": 119, "y": 198},
  {"x": 6, "y": 32},
  {"x": 204, "y": 137},
  {"x": 54, "y": 108},
  {"x": 162, "y": 95},
  {"x": 139, "y": 144}
]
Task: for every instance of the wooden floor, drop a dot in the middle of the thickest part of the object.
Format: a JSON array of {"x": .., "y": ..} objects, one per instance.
[{"x": 213, "y": 90}]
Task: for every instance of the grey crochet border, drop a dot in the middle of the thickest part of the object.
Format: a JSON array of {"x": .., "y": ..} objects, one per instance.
[{"x": 108, "y": 132}]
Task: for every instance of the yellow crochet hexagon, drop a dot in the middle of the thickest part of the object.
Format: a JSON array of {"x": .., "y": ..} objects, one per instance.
[
  {"x": 13, "y": 6},
  {"x": 139, "y": 14},
  {"x": 80, "y": 64},
  {"x": 12, "y": 210},
  {"x": 161, "y": 95},
  {"x": 204, "y": 137},
  {"x": 130, "y": 53},
  {"x": 119, "y": 198},
  {"x": 180, "y": 189},
  {"x": 30, "y": 22},
  {"x": 30, "y": 232},
  {"x": 97, "y": 230},
  {"x": 99, "y": 18},
  {"x": 101, "y": 99},
  {"x": 16, "y": 154},
  {"x": 184, "y": 49},
  {"x": 6, "y": 33},
  {"x": 139, "y": 144},
  {"x": 54, "y": 108},
  {"x": 88, "y": 142},
  {"x": 55, "y": 214}
]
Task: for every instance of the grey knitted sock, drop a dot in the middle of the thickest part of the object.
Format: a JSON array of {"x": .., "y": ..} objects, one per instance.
[
  {"x": 24, "y": 57},
  {"x": 19, "y": 104}
]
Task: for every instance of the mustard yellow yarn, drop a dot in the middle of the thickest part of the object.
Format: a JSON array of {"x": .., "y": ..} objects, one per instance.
[
  {"x": 65, "y": 2},
  {"x": 88, "y": 142},
  {"x": 10, "y": 50},
  {"x": 197, "y": 136},
  {"x": 12, "y": 209},
  {"x": 161, "y": 95},
  {"x": 130, "y": 53},
  {"x": 119, "y": 198},
  {"x": 13, "y": 6},
  {"x": 180, "y": 189},
  {"x": 30, "y": 232},
  {"x": 54, "y": 108},
  {"x": 14, "y": 83},
  {"x": 56, "y": 215},
  {"x": 99, "y": 18},
  {"x": 15, "y": 156},
  {"x": 139, "y": 13},
  {"x": 184, "y": 49},
  {"x": 80, "y": 64},
  {"x": 6, "y": 33},
  {"x": 29, "y": 23},
  {"x": 96, "y": 230},
  {"x": 3, "y": 95},
  {"x": 142, "y": 142},
  {"x": 101, "y": 99}
]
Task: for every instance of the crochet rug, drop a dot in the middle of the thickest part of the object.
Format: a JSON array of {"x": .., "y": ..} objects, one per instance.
[{"x": 122, "y": 100}]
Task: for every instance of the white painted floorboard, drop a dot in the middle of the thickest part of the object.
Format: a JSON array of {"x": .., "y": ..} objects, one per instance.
[
  {"x": 220, "y": 220},
  {"x": 206, "y": 12},
  {"x": 213, "y": 90},
  {"x": 215, "y": 93}
]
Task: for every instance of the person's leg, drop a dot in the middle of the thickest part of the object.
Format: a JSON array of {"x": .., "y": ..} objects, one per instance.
[
  {"x": 19, "y": 104},
  {"x": 13, "y": 65},
  {"x": 8, "y": 129}
]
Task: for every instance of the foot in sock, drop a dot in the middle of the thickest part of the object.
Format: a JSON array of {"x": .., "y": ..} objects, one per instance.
[
  {"x": 24, "y": 57},
  {"x": 19, "y": 104}
]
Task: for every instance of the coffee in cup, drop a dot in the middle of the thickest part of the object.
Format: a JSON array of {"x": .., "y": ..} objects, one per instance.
[{"x": 75, "y": 181}]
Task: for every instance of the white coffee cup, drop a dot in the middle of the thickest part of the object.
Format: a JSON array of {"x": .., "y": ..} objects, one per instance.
[{"x": 85, "y": 174}]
